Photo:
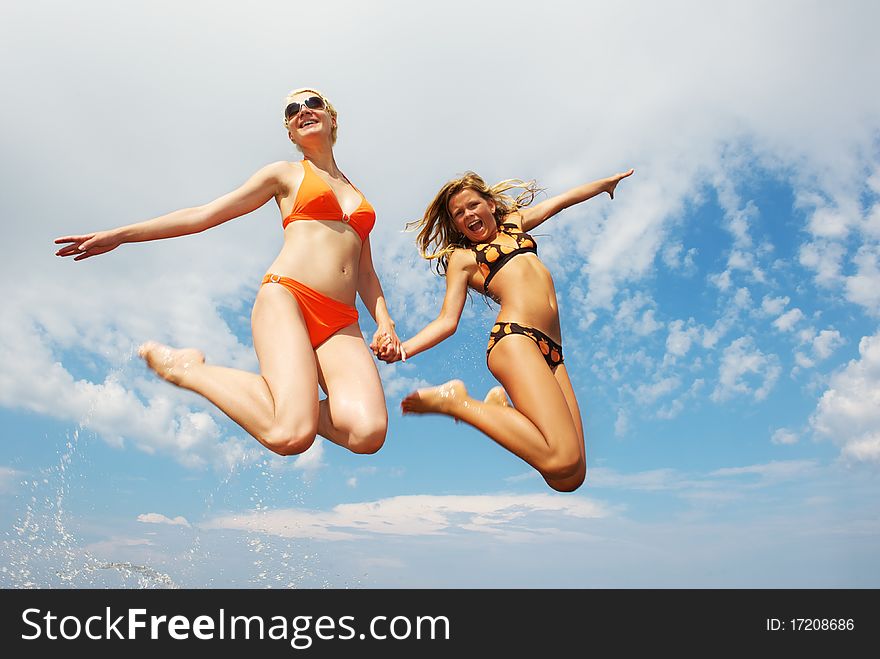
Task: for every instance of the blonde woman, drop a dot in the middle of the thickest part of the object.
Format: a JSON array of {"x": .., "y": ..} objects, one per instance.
[
  {"x": 304, "y": 322},
  {"x": 478, "y": 237}
]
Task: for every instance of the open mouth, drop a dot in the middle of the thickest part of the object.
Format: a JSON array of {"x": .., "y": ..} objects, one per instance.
[
  {"x": 475, "y": 226},
  {"x": 308, "y": 122}
]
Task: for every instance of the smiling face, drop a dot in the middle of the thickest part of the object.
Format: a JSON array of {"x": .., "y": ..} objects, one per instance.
[
  {"x": 311, "y": 125},
  {"x": 473, "y": 215}
]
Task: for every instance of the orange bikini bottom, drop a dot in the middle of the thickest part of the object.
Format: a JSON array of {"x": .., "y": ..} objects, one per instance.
[{"x": 324, "y": 316}]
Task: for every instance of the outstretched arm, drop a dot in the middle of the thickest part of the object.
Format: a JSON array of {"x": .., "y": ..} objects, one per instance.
[
  {"x": 385, "y": 342},
  {"x": 446, "y": 323},
  {"x": 534, "y": 215},
  {"x": 255, "y": 192}
]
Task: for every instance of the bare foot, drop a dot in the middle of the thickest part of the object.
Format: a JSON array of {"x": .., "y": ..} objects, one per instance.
[
  {"x": 434, "y": 400},
  {"x": 169, "y": 363},
  {"x": 497, "y": 396}
]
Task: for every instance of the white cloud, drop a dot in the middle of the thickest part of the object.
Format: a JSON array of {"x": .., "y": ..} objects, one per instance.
[
  {"x": 417, "y": 515},
  {"x": 863, "y": 288},
  {"x": 157, "y": 518},
  {"x": 679, "y": 339},
  {"x": 742, "y": 298},
  {"x": 825, "y": 259},
  {"x": 826, "y": 343},
  {"x": 806, "y": 334},
  {"x": 711, "y": 335},
  {"x": 646, "y": 324},
  {"x": 773, "y": 306},
  {"x": 746, "y": 262},
  {"x": 653, "y": 480},
  {"x": 740, "y": 359},
  {"x": 738, "y": 219},
  {"x": 628, "y": 240},
  {"x": 722, "y": 280},
  {"x": 771, "y": 129},
  {"x": 848, "y": 412},
  {"x": 822, "y": 345},
  {"x": 874, "y": 181},
  {"x": 865, "y": 448},
  {"x": 632, "y": 315},
  {"x": 647, "y": 394},
  {"x": 529, "y": 475},
  {"x": 784, "y": 436},
  {"x": 398, "y": 379},
  {"x": 871, "y": 225},
  {"x": 787, "y": 321},
  {"x": 803, "y": 361},
  {"x": 829, "y": 223},
  {"x": 717, "y": 484},
  {"x": 678, "y": 260},
  {"x": 675, "y": 407},
  {"x": 772, "y": 472}
]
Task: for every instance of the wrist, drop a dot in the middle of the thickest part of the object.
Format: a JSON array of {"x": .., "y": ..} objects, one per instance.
[{"x": 122, "y": 234}]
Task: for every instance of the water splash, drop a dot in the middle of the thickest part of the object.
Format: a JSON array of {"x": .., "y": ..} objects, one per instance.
[
  {"x": 43, "y": 550},
  {"x": 279, "y": 562},
  {"x": 50, "y": 546},
  {"x": 145, "y": 576}
]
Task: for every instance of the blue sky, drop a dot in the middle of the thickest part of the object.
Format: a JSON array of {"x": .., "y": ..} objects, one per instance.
[{"x": 720, "y": 316}]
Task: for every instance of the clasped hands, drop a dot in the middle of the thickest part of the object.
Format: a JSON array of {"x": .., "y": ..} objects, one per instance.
[{"x": 386, "y": 345}]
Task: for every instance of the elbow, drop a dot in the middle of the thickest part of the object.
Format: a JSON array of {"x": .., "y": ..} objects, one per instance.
[
  {"x": 200, "y": 219},
  {"x": 449, "y": 326}
]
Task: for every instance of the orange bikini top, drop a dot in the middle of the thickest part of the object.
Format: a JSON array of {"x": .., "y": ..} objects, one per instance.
[{"x": 315, "y": 200}]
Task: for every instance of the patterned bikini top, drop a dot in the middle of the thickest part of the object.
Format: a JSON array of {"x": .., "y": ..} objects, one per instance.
[
  {"x": 491, "y": 257},
  {"x": 315, "y": 200}
]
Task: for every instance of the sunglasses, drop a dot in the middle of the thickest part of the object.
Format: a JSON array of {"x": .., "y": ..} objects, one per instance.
[{"x": 312, "y": 102}]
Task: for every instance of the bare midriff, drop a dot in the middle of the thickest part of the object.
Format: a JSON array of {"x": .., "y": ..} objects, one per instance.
[
  {"x": 323, "y": 255},
  {"x": 527, "y": 295}
]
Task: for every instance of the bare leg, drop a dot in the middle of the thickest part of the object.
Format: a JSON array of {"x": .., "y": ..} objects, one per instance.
[
  {"x": 186, "y": 368},
  {"x": 278, "y": 407},
  {"x": 354, "y": 414},
  {"x": 540, "y": 429},
  {"x": 572, "y": 482}
]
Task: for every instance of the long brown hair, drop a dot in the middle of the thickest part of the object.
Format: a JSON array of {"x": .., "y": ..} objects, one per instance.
[{"x": 438, "y": 236}]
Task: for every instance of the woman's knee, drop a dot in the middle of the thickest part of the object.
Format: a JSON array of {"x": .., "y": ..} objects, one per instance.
[
  {"x": 569, "y": 483},
  {"x": 563, "y": 464},
  {"x": 367, "y": 435},
  {"x": 291, "y": 439}
]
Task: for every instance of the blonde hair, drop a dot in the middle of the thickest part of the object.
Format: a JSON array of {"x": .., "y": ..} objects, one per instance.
[
  {"x": 438, "y": 236},
  {"x": 327, "y": 106}
]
